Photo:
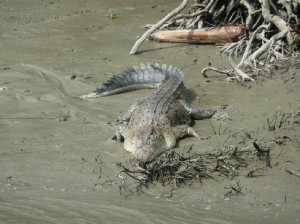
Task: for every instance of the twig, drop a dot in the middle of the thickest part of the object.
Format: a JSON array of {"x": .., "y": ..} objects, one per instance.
[
  {"x": 293, "y": 173},
  {"x": 238, "y": 71},
  {"x": 153, "y": 28},
  {"x": 203, "y": 72}
]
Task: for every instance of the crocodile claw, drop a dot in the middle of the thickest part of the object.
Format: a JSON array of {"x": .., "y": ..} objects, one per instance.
[{"x": 220, "y": 115}]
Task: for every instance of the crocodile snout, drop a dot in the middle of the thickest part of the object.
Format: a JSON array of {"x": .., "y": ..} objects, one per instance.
[{"x": 145, "y": 143}]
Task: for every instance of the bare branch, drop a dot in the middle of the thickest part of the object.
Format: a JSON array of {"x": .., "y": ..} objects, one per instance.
[{"x": 153, "y": 28}]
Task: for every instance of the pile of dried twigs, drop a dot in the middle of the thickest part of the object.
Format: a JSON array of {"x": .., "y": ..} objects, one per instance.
[
  {"x": 273, "y": 32},
  {"x": 179, "y": 169}
]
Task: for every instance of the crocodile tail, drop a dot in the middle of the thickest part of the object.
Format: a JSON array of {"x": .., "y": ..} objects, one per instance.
[
  {"x": 138, "y": 77},
  {"x": 170, "y": 70}
]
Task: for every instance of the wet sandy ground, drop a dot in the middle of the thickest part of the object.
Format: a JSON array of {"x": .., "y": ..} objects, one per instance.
[{"x": 51, "y": 142}]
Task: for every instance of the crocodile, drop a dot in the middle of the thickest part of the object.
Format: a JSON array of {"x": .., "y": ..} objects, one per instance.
[{"x": 153, "y": 125}]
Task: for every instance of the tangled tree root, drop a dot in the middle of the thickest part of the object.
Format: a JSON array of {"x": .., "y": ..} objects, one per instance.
[{"x": 273, "y": 32}]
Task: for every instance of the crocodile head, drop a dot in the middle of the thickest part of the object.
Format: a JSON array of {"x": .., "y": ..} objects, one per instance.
[{"x": 146, "y": 142}]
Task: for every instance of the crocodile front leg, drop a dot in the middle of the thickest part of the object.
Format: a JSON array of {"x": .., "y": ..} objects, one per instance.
[
  {"x": 200, "y": 114},
  {"x": 184, "y": 130},
  {"x": 196, "y": 113},
  {"x": 122, "y": 122},
  {"x": 121, "y": 132}
]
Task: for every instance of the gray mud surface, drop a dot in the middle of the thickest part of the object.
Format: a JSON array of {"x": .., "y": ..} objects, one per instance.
[{"x": 52, "y": 144}]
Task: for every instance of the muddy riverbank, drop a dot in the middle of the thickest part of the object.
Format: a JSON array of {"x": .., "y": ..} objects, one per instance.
[{"x": 57, "y": 160}]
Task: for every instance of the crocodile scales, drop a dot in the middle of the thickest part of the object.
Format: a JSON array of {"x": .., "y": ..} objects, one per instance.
[{"x": 152, "y": 125}]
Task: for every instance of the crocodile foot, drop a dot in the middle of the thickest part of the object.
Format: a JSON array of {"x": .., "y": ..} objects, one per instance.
[{"x": 220, "y": 115}]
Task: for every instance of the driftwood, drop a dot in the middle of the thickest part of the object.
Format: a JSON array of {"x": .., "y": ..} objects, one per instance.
[
  {"x": 224, "y": 34},
  {"x": 272, "y": 32}
]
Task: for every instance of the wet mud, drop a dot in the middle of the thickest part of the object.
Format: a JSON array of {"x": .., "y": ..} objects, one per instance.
[{"x": 58, "y": 162}]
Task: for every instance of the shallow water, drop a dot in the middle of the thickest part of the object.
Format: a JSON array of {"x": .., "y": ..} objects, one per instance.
[{"x": 53, "y": 50}]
